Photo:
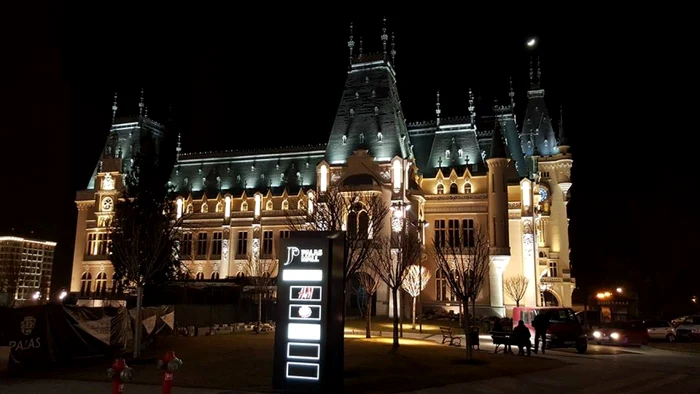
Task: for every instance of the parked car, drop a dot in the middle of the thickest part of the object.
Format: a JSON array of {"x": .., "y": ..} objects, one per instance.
[
  {"x": 660, "y": 330},
  {"x": 622, "y": 333},
  {"x": 689, "y": 328},
  {"x": 565, "y": 329}
]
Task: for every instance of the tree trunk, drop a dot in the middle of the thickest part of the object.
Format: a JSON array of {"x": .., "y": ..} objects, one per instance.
[
  {"x": 517, "y": 303},
  {"x": 395, "y": 297},
  {"x": 138, "y": 329},
  {"x": 465, "y": 306},
  {"x": 259, "y": 311},
  {"x": 414, "y": 313},
  {"x": 368, "y": 317}
]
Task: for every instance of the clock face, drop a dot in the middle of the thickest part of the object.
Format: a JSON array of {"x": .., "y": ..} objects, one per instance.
[
  {"x": 543, "y": 193},
  {"x": 107, "y": 204}
]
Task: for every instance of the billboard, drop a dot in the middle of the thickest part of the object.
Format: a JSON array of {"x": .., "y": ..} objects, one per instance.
[{"x": 309, "y": 346}]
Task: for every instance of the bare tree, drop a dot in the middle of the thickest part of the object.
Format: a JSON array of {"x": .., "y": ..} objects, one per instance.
[
  {"x": 369, "y": 280},
  {"x": 401, "y": 250},
  {"x": 362, "y": 214},
  {"x": 10, "y": 274},
  {"x": 515, "y": 287},
  {"x": 260, "y": 275},
  {"x": 416, "y": 279},
  {"x": 465, "y": 263}
]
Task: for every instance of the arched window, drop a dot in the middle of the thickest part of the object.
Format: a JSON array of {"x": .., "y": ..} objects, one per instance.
[
  {"x": 300, "y": 205},
  {"x": 85, "y": 284},
  {"x": 200, "y": 276},
  {"x": 190, "y": 208},
  {"x": 219, "y": 207},
  {"x": 363, "y": 224},
  {"x": 453, "y": 189},
  {"x": 269, "y": 206},
  {"x": 115, "y": 284},
  {"x": 440, "y": 189},
  {"x": 205, "y": 207},
  {"x": 101, "y": 285},
  {"x": 244, "y": 206},
  {"x": 467, "y": 188},
  {"x": 285, "y": 205},
  {"x": 352, "y": 224},
  {"x": 215, "y": 275}
]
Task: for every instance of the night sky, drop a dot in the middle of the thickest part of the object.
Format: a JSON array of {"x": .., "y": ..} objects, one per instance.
[{"x": 245, "y": 81}]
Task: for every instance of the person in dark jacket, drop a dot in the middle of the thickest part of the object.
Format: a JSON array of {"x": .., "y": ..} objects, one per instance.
[
  {"x": 524, "y": 338},
  {"x": 541, "y": 325}
]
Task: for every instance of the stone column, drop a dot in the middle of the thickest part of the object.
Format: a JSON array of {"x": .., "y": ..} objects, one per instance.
[
  {"x": 498, "y": 266},
  {"x": 225, "y": 242}
]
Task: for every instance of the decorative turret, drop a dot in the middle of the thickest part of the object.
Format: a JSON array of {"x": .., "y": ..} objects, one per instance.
[{"x": 537, "y": 135}]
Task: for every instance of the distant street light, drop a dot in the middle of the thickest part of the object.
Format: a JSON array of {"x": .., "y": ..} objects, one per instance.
[
  {"x": 531, "y": 42},
  {"x": 619, "y": 290},
  {"x": 695, "y": 300},
  {"x": 36, "y": 296},
  {"x": 62, "y": 295}
]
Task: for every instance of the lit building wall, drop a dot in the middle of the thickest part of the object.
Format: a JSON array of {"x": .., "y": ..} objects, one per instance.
[{"x": 26, "y": 264}]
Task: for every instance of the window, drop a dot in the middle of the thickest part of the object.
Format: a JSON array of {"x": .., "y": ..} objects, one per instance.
[
  {"x": 205, "y": 207},
  {"x": 269, "y": 206},
  {"x": 85, "y": 284},
  {"x": 440, "y": 189},
  {"x": 357, "y": 223},
  {"x": 440, "y": 233},
  {"x": 444, "y": 293},
  {"x": 202, "y": 245},
  {"x": 242, "y": 243},
  {"x": 453, "y": 189},
  {"x": 199, "y": 276},
  {"x": 215, "y": 275},
  {"x": 379, "y": 137},
  {"x": 244, "y": 206},
  {"x": 468, "y": 232},
  {"x": 186, "y": 245},
  {"x": 453, "y": 232},
  {"x": 219, "y": 207},
  {"x": 467, "y": 188},
  {"x": 284, "y": 234},
  {"x": 98, "y": 244},
  {"x": 362, "y": 138},
  {"x": 553, "y": 271},
  {"x": 267, "y": 243},
  {"x": 101, "y": 285},
  {"x": 216, "y": 243},
  {"x": 285, "y": 205},
  {"x": 300, "y": 204},
  {"x": 190, "y": 208}
]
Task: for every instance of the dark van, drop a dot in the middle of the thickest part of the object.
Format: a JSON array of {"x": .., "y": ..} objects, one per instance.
[{"x": 565, "y": 329}]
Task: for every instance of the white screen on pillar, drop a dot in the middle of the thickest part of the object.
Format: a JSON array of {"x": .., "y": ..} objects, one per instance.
[{"x": 304, "y": 331}]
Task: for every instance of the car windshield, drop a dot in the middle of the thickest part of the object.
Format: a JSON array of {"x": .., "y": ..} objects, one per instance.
[
  {"x": 695, "y": 320},
  {"x": 560, "y": 315}
]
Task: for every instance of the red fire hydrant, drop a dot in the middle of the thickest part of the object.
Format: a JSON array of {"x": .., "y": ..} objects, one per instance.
[
  {"x": 169, "y": 364},
  {"x": 120, "y": 373}
]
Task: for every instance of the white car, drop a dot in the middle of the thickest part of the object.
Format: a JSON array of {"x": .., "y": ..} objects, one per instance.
[
  {"x": 689, "y": 328},
  {"x": 660, "y": 330}
]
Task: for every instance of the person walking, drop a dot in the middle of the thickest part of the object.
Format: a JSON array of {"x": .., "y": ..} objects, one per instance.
[{"x": 541, "y": 325}]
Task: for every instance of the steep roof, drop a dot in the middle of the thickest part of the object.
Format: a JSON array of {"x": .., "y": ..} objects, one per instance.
[
  {"x": 290, "y": 168},
  {"x": 537, "y": 136},
  {"x": 369, "y": 105}
]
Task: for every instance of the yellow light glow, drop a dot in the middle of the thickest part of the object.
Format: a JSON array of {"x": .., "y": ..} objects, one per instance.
[
  {"x": 397, "y": 174},
  {"x": 179, "y": 208},
  {"x": 324, "y": 178},
  {"x": 227, "y": 209},
  {"x": 527, "y": 194}
]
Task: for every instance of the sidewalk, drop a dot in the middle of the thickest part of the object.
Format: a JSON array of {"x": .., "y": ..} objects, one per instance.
[{"x": 83, "y": 387}]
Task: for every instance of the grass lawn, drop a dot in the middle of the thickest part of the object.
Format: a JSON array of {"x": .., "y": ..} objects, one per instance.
[
  {"x": 386, "y": 326},
  {"x": 243, "y": 361},
  {"x": 688, "y": 347}
]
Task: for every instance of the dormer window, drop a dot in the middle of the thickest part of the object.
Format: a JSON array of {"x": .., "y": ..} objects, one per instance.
[
  {"x": 440, "y": 189},
  {"x": 379, "y": 137},
  {"x": 447, "y": 153},
  {"x": 345, "y": 139},
  {"x": 460, "y": 153},
  {"x": 205, "y": 207},
  {"x": 467, "y": 188},
  {"x": 252, "y": 168},
  {"x": 362, "y": 138},
  {"x": 244, "y": 206}
]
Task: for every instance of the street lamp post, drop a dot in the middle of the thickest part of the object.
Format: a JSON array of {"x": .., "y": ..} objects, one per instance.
[
  {"x": 421, "y": 226},
  {"x": 402, "y": 207}
]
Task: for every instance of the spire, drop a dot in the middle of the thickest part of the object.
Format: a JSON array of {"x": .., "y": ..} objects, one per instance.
[
  {"x": 385, "y": 37},
  {"x": 539, "y": 71},
  {"x": 360, "y": 55},
  {"x": 146, "y": 109},
  {"x": 141, "y": 105},
  {"x": 532, "y": 79},
  {"x": 511, "y": 94},
  {"x": 179, "y": 147},
  {"x": 472, "y": 113},
  {"x": 114, "y": 108},
  {"x": 498, "y": 148},
  {"x": 437, "y": 108},
  {"x": 393, "y": 49},
  {"x": 351, "y": 44}
]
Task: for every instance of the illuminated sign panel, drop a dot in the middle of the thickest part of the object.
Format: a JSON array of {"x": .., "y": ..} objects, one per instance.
[{"x": 309, "y": 347}]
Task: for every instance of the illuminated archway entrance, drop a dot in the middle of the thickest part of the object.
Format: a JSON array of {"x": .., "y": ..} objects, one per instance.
[{"x": 549, "y": 298}]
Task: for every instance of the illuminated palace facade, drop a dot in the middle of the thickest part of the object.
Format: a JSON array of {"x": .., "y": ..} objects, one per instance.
[{"x": 455, "y": 174}]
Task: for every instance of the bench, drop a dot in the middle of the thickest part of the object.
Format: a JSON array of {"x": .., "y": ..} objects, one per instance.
[
  {"x": 448, "y": 336},
  {"x": 502, "y": 338}
]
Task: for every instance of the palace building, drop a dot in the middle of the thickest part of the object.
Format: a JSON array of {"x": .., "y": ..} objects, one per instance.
[{"x": 455, "y": 174}]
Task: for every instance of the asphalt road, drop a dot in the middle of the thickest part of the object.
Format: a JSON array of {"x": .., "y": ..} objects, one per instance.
[{"x": 602, "y": 370}]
